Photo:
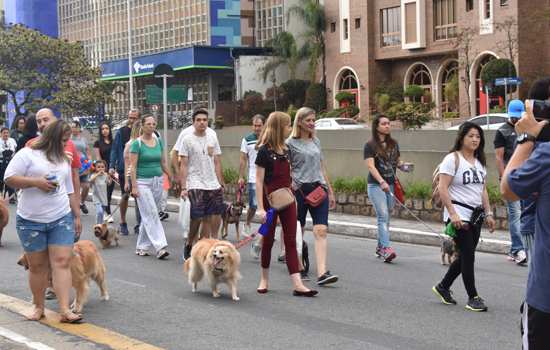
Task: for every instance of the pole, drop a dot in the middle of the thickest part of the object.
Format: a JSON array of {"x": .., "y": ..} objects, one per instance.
[
  {"x": 488, "y": 104},
  {"x": 130, "y": 63},
  {"x": 506, "y": 94},
  {"x": 165, "y": 114}
]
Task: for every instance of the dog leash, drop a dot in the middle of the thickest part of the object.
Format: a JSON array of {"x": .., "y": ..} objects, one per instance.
[{"x": 245, "y": 240}]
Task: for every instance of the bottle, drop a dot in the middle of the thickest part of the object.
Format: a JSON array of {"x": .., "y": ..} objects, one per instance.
[
  {"x": 450, "y": 230},
  {"x": 52, "y": 177},
  {"x": 269, "y": 217}
]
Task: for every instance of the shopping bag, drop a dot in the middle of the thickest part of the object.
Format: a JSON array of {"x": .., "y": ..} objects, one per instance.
[
  {"x": 184, "y": 216},
  {"x": 299, "y": 238}
]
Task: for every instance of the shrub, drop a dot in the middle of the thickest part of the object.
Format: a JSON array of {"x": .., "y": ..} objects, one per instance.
[
  {"x": 316, "y": 97},
  {"x": 350, "y": 185},
  {"x": 414, "y": 92},
  {"x": 219, "y": 122},
  {"x": 230, "y": 175},
  {"x": 291, "y": 111},
  {"x": 383, "y": 102},
  {"x": 418, "y": 190},
  {"x": 498, "y": 68},
  {"x": 344, "y": 96},
  {"x": 282, "y": 98},
  {"x": 295, "y": 90},
  {"x": 498, "y": 109},
  {"x": 452, "y": 91},
  {"x": 413, "y": 115},
  {"x": 494, "y": 194},
  {"x": 450, "y": 115},
  {"x": 347, "y": 112},
  {"x": 394, "y": 90},
  {"x": 252, "y": 105}
]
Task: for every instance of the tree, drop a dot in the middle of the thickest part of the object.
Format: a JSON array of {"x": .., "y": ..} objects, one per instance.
[
  {"x": 498, "y": 68},
  {"x": 50, "y": 72},
  {"x": 316, "y": 97},
  {"x": 464, "y": 44},
  {"x": 451, "y": 92},
  {"x": 285, "y": 53},
  {"x": 312, "y": 14},
  {"x": 508, "y": 46},
  {"x": 413, "y": 115}
]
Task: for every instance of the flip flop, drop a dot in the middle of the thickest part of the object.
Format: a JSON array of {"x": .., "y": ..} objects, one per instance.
[{"x": 74, "y": 320}]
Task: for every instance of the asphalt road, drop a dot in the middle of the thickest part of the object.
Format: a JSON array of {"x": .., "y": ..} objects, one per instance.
[{"x": 374, "y": 305}]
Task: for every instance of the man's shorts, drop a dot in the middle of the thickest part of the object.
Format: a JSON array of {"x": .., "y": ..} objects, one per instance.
[
  {"x": 206, "y": 203},
  {"x": 37, "y": 236},
  {"x": 121, "y": 180},
  {"x": 534, "y": 328},
  {"x": 252, "y": 203}
]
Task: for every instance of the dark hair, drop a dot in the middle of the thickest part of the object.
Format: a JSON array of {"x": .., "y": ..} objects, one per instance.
[
  {"x": 76, "y": 124},
  {"x": 110, "y": 136},
  {"x": 540, "y": 90},
  {"x": 258, "y": 117},
  {"x": 51, "y": 141},
  {"x": 375, "y": 142},
  {"x": 145, "y": 116},
  {"x": 459, "y": 142},
  {"x": 15, "y": 123},
  {"x": 31, "y": 128},
  {"x": 100, "y": 162},
  {"x": 199, "y": 111},
  {"x": 4, "y": 128}
]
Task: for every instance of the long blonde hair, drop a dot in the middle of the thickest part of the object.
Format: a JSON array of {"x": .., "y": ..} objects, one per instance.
[
  {"x": 51, "y": 141},
  {"x": 136, "y": 130},
  {"x": 273, "y": 134},
  {"x": 297, "y": 128}
]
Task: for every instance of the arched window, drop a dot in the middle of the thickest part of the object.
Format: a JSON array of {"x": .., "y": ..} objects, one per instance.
[
  {"x": 348, "y": 80},
  {"x": 421, "y": 76},
  {"x": 450, "y": 72}
]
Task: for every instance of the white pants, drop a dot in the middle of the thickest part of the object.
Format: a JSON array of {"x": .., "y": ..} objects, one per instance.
[{"x": 151, "y": 232}]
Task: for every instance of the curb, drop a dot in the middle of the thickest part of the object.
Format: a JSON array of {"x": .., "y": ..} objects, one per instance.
[{"x": 351, "y": 229}]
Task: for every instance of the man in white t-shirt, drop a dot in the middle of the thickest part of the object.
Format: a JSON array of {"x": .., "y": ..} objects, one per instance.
[
  {"x": 201, "y": 179},
  {"x": 248, "y": 156}
]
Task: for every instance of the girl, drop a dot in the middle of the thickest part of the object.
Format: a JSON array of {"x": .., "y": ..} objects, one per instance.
[
  {"x": 100, "y": 181},
  {"x": 102, "y": 151},
  {"x": 82, "y": 146},
  {"x": 273, "y": 173},
  {"x": 462, "y": 188}
]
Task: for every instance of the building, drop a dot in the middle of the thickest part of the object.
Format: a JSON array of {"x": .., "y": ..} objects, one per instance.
[{"x": 414, "y": 42}]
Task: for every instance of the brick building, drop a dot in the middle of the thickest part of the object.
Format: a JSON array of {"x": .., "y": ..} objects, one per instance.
[{"x": 406, "y": 42}]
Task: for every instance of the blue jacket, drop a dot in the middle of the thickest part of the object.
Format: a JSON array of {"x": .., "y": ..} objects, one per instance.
[{"x": 117, "y": 153}]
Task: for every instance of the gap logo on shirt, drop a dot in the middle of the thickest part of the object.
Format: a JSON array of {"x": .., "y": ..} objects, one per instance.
[{"x": 473, "y": 176}]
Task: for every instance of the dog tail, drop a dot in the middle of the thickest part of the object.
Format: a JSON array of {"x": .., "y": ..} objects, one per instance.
[{"x": 186, "y": 266}]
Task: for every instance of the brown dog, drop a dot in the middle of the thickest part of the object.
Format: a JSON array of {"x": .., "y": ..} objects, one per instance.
[
  {"x": 4, "y": 217},
  {"x": 219, "y": 260},
  {"x": 86, "y": 264},
  {"x": 232, "y": 215},
  {"x": 449, "y": 250},
  {"x": 106, "y": 235}
]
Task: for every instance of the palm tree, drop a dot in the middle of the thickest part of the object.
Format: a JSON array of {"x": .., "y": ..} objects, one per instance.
[
  {"x": 285, "y": 52},
  {"x": 312, "y": 14}
]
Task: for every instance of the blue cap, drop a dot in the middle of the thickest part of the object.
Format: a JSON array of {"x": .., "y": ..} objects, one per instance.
[{"x": 515, "y": 109}]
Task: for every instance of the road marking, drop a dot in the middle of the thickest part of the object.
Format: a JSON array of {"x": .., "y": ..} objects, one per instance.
[
  {"x": 18, "y": 338},
  {"x": 88, "y": 331},
  {"x": 130, "y": 283}
]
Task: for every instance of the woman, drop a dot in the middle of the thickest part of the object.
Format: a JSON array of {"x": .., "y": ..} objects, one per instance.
[
  {"x": 46, "y": 221},
  {"x": 382, "y": 156},
  {"x": 308, "y": 173},
  {"x": 102, "y": 151},
  {"x": 462, "y": 188},
  {"x": 82, "y": 146},
  {"x": 147, "y": 166},
  {"x": 273, "y": 173},
  {"x": 7, "y": 149},
  {"x": 29, "y": 132},
  {"x": 17, "y": 127}
]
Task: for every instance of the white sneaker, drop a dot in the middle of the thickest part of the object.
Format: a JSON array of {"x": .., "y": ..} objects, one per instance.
[
  {"x": 110, "y": 219},
  {"x": 521, "y": 257}
]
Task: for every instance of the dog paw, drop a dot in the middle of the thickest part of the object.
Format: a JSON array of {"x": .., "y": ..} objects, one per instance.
[
  {"x": 216, "y": 294},
  {"x": 236, "y": 298},
  {"x": 105, "y": 297}
]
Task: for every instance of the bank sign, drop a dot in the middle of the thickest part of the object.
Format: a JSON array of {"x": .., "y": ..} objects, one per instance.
[{"x": 192, "y": 57}]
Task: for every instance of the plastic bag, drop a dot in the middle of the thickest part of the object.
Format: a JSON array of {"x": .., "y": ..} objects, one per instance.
[
  {"x": 299, "y": 238},
  {"x": 184, "y": 216}
]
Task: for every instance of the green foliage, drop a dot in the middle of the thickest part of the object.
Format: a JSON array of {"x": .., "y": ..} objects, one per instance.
[
  {"x": 219, "y": 122},
  {"x": 52, "y": 73},
  {"x": 498, "y": 68},
  {"x": 451, "y": 91},
  {"x": 413, "y": 115},
  {"x": 494, "y": 194},
  {"x": 498, "y": 109},
  {"x": 316, "y": 97},
  {"x": 418, "y": 190},
  {"x": 350, "y": 185},
  {"x": 253, "y": 104},
  {"x": 291, "y": 111},
  {"x": 230, "y": 176},
  {"x": 295, "y": 90},
  {"x": 383, "y": 102},
  {"x": 347, "y": 112},
  {"x": 344, "y": 96},
  {"x": 249, "y": 93},
  {"x": 415, "y": 92},
  {"x": 282, "y": 98},
  {"x": 394, "y": 90},
  {"x": 450, "y": 115},
  {"x": 285, "y": 53}
]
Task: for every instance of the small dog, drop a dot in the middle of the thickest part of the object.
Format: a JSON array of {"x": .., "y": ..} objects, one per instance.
[
  {"x": 106, "y": 235},
  {"x": 232, "y": 215},
  {"x": 448, "y": 249},
  {"x": 219, "y": 260},
  {"x": 86, "y": 264}
]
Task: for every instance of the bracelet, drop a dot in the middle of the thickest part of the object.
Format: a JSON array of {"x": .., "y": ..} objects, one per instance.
[{"x": 489, "y": 214}]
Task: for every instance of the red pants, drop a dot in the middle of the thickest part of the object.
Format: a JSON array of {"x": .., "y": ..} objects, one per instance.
[{"x": 288, "y": 220}]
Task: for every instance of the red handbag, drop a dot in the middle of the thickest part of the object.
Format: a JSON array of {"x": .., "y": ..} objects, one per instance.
[
  {"x": 315, "y": 197},
  {"x": 398, "y": 191}
]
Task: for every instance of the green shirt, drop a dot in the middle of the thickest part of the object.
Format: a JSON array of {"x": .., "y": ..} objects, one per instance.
[{"x": 149, "y": 158}]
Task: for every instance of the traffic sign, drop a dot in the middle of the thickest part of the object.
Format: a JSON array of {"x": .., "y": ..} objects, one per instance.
[
  {"x": 176, "y": 94},
  {"x": 508, "y": 81},
  {"x": 161, "y": 70}
]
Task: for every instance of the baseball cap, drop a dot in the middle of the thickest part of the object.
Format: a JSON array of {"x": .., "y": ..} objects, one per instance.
[{"x": 515, "y": 109}]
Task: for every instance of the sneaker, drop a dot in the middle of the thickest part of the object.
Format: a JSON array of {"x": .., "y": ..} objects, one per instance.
[
  {"x": 124, "y": 229},
  {"x": 388, "y": 254},
  {"x": 187, "y": 252},
  {"x": 83, "y": 208},
  {"x": 281, "y": 258},
  {"x": 378, "y": 252},
  {"x": 136, "y": 230},
  {"x": 255, "y": 250},
  {"x": 511, "y": 256},
  {"x": 163, "y": 215},
  {"x": 50, "y": 294},
  {"x": 141, "y": 252},
  {"x": 162, "y": 254},
  {"x": 476, "y": 304},
  {"x": 110, "y": 219},
  {"x": 445, "y": 295},
  {"x": 327, "y": 278},
  {"x": 304, "y": 276},
  {"x": 521, "y": 257}
]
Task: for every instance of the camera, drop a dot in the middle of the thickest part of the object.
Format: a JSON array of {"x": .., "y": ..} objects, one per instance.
[{"x": 541, "y": 109}]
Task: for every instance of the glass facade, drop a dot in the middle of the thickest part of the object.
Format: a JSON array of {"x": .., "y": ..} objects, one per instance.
[
  {"x": 390, "y": 20},
  {"x": 270, "y": 20}
]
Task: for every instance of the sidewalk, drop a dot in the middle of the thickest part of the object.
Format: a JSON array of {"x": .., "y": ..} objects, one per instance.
[{"x": 406, "y": 231}]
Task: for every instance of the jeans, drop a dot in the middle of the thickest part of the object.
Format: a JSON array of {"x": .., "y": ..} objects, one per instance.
[
  {"x": 37, "y": 236},
  {"x": 383, "y": 202},
  {"x": 514, "y": 216},
  {"x": 100, "y": 211}
]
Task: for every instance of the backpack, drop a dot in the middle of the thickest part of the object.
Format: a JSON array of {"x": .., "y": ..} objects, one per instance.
[{"x": 436, "y": 198}]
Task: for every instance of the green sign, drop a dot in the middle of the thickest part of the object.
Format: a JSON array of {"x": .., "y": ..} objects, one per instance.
[{"x": 176, "y": 94}]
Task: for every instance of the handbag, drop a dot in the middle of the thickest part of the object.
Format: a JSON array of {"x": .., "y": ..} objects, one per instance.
[
  {"x": 315, "y": 197},
  {"x": 281, "y": 198},
  {"x": 398, "y": 191}
]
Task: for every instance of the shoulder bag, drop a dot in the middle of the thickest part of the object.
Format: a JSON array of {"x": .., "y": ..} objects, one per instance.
[{"x": 281, "y": 198}]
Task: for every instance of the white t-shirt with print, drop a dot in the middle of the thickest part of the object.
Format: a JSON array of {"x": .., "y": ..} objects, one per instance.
[
  {"x": 467, "y": 184},
  {"x": 189, "y": 130},
  {"x": 35, "y": 204},
  {"x": 248, "y": 147},
  {"x": 200, "y": 151}
]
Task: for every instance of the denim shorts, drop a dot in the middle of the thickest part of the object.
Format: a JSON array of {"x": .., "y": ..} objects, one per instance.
[
  {"x": 319, "y": 214},
  {"x": 206, "y": 203},
  {"x": 37, "y": 236},
  {"x": 252, "y": 203}
]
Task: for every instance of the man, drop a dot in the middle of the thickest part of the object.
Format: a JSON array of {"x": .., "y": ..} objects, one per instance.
[
  {"x": 248, "y": 155},
  {"x": 528, "y": 173},
  {"x": 505, "y": 143},
  {"x": 201, "y": 179},
  {"x": 122, "y": 137}
]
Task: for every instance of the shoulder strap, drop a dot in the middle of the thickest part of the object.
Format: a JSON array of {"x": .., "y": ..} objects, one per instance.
[{"x": 457, "y": 161}]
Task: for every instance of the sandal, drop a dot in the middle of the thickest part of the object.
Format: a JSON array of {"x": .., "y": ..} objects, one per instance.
[
  {"x": 141, "y": 252},
  {"x": 36, "y": 315},
  {"x": 70, "y": 317}
]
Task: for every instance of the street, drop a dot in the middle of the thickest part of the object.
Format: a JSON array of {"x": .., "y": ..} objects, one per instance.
[{"x": 373, "y": 306}]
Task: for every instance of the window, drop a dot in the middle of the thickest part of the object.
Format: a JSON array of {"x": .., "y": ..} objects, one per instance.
[
  {"x": 503, "y": 2},
  {"x": 410, "y": 23},
  {"x": 332, "y": 27},
  {"x": 469, "y": 5},
  {"x": 390, "y": 19},
  {"x": 346, "y": 29},
  {"x": 444, "y": 19},
  {"x": 348, "y": 81},
  {"x": 357, "y": 23},
  {"x": 486, "y": 9}
]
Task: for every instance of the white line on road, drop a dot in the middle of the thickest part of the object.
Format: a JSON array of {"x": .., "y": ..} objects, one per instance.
[
  {"x": 130, "y": 283},
  {"x": 18, "y": 338}
]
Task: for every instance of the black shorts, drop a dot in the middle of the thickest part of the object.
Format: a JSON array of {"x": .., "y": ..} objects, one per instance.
[
  {"x": 535, "y": 326},
  {"x": 206, "y": 203}
]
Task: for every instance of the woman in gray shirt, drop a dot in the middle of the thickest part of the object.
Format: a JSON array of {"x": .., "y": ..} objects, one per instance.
[{"x": 308, "y": 172}]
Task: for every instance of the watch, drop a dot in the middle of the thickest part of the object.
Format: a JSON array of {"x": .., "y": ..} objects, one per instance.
[{"x": 525, "y": 137}]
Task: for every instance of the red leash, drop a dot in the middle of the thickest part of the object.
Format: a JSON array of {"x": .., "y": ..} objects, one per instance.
[{"x": 245, "y": 241}]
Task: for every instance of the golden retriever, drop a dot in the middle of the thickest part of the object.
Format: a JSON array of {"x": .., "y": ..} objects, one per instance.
[
  {"x": 106, "y": 235},
  {"x": 86, "y": 264},
  {"x": 219, "y": 260}
]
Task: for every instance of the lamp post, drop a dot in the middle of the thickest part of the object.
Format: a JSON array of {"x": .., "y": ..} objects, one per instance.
[{"x": 130, "y": 63}]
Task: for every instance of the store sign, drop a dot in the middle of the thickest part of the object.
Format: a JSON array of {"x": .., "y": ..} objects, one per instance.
[
  {"x": 140, "y": 68},
  {"x": 176, "y": 94}
]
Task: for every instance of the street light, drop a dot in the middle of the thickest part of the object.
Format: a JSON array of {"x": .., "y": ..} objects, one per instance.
[{"x": 130, "y": 63}]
